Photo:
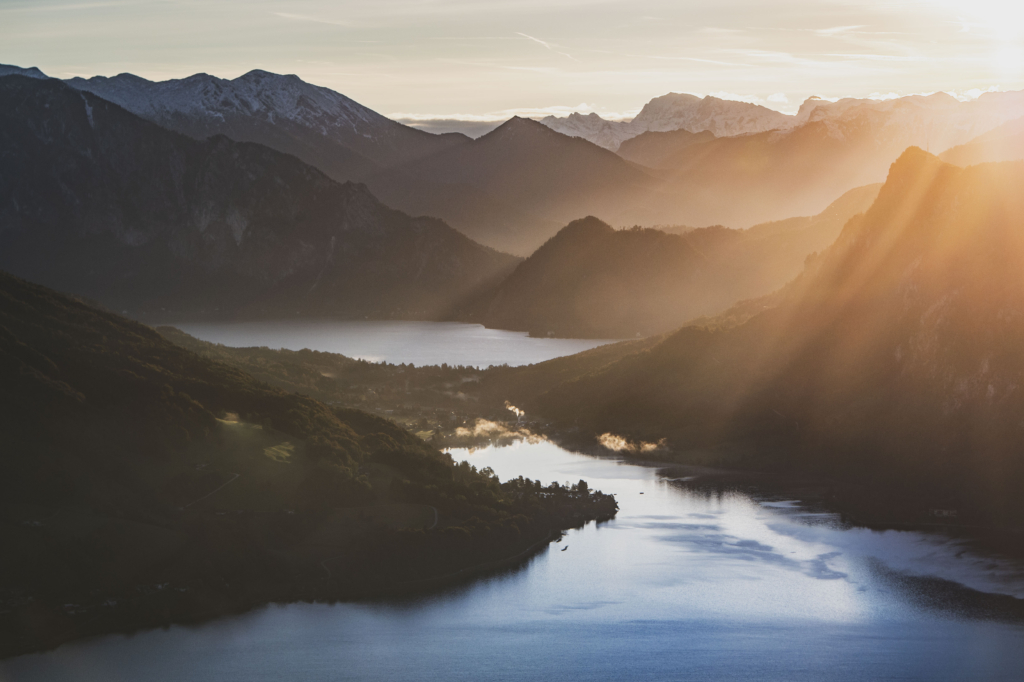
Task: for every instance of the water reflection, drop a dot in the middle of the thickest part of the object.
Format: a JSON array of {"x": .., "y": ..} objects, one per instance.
[
  {"x": 689, "y": 582},
  {"x": 397, "y": 342}
]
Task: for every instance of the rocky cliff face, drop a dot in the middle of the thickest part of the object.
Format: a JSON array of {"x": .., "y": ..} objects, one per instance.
[{"x": 102, "y": 203}]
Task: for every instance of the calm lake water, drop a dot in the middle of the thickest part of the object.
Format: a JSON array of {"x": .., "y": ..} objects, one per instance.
[
  {"x": 682, "y": 585},
  {"x": 418, "y": 343}
]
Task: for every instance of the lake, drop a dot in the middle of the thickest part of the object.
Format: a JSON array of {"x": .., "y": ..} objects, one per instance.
[
  {"x": 684, "y": 584},
  {"x": 417, "y": 343}
]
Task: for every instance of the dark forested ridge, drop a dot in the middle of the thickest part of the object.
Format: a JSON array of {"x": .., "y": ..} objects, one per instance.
[
  {"x": 894, "y": 361},
  {"x": 101, "y": 203},
  {"x": 142, "y": 484},
  {"x": 592, "y": 281}
]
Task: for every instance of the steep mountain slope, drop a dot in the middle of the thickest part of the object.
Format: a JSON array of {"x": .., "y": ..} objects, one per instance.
[
  {"x": 1005, "y": 143},
  {"x": 895, "y": 359},
  {"x": 547, "y": 176},
  {"x": 97, "y": 201},
  {"x": 593, "y": 281},
  {"x": 144, "y": 485},
  {"x": 673, "y": 112},
  {"x": 342, "y": 138}
]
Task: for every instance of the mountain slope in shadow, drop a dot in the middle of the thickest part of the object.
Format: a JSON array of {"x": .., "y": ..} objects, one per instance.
[
  {"x": 106, "y": 205},
  {"x": 592, "y": 281},
  {"x": 547, "y": 177}
]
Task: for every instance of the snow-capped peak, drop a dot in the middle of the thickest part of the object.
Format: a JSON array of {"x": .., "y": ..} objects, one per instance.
[
  {"x": 255, "y": 94},
  {"x": 674, "y": 111}
]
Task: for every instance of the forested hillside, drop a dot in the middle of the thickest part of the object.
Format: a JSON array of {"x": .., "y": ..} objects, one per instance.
[{"x": 143, "y": 484}]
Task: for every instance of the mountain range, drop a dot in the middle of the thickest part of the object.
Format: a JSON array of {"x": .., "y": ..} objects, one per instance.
[
  {"x": 344, "y": 139},
  {"x": 669, "y": 112},
  {"x": 547, "y": 178},
  {"x": 525, "y": 184},
  {"x": 102, "y": 203},
  {"x": 592, "y": 281},
  {"x": 894, "y": 360}
]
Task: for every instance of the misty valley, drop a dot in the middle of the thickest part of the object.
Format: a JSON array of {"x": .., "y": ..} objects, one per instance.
[{"x": 293, "y": 390}]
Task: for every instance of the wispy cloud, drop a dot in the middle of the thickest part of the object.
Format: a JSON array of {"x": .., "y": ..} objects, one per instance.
[
  {"x": 547, "y": 45},
  {"x": 835, "y": 30}
]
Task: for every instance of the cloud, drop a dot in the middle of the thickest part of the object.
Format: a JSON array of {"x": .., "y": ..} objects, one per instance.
[
  {"x": 835, "y": 30},
  {"x": 547, "y": 45}
]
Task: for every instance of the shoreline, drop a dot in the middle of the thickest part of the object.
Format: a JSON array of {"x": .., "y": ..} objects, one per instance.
[{"x": 107, "y": 624}]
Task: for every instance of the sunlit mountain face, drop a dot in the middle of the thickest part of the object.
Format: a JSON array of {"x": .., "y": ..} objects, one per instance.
[{"x": 897, "y": 350}]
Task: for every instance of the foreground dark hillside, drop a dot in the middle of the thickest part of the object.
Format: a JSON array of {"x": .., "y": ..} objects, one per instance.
[
  {"x": 99, "y": 202},
  {"x": 142, "y": 484},
  {"x": 895, "y": 361},
  {"x": 592, "y": 281}
]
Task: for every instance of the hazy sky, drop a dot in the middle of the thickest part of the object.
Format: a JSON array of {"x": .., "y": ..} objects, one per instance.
[{"x": 491, "y": 58}]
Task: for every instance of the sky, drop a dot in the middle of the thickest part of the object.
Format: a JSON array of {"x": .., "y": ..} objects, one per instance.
[{"x": 486, "y": 60}]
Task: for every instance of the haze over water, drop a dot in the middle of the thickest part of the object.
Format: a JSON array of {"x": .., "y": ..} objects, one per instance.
[{"x": 682, "y": 585}]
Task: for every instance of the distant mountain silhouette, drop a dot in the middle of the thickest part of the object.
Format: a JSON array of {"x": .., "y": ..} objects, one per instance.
[
  {"x": 341, "y": 137},
  {"x": 544, "y": 176},
  {"x": 1005, "y": 143},
  {"x": 104, "y": 204},
  {"x": 894, "y": 360},
  {"x": 512, "y": 191},
  {"x": 591, "y": 280}
]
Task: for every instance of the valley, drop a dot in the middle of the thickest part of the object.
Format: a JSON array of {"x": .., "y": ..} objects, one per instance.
[{"x": 295, "y": 388}]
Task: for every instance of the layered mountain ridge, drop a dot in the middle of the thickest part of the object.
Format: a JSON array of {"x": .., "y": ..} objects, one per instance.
[
  {"x": 547, "y": 178},
  {"x": 760, "y": 165},
  {"x": 592, "y": 281},
  {"x": 895, "y": 358},
  {"x": 104, "y": 204}
]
